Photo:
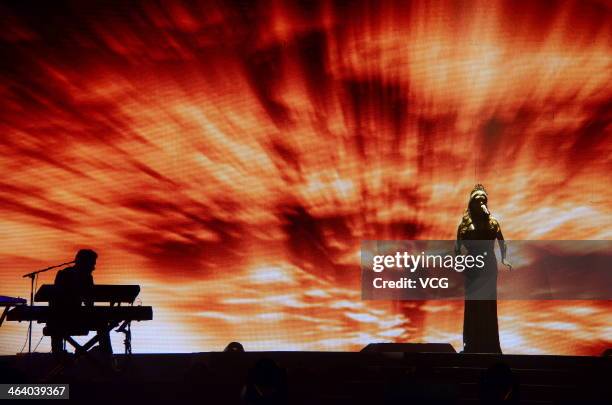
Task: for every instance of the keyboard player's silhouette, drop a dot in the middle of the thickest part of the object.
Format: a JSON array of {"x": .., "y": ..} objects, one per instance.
[{"x": 72, "y": 286}]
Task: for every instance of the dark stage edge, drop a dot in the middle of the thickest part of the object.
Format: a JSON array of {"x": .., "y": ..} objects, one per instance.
[{"x": 320, "y": 377}]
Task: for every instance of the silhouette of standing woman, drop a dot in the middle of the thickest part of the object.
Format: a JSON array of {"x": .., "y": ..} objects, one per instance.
[{"x": 477, "y": 233}]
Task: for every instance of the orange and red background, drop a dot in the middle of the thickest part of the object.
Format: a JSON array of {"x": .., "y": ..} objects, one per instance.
[{"x": 229, "y": 157}]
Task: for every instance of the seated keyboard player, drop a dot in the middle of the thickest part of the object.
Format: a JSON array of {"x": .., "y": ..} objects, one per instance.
[{"x": 72, "y": 285}]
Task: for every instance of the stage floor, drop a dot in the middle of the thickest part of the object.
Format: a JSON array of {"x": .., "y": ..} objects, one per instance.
[{"x": 318, "y": 377}]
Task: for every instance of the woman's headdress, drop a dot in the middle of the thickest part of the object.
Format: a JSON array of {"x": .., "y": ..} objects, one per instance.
[{"x": 478, "y": 189}]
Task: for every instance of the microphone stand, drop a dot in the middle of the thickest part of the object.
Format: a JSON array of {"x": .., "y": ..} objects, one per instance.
[{"x": 32, "y": 277}]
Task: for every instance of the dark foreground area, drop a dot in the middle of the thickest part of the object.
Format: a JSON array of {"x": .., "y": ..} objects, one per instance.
[{"x": 320, "y": 378}]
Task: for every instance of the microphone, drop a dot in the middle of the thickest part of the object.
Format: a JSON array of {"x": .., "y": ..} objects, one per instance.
[{"x": 34, "y": 273}]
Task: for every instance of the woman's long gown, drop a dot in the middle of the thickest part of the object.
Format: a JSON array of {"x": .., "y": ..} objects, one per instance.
[{"x": 480, "y": 328}]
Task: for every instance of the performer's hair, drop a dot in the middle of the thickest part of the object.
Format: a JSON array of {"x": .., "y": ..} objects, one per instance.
[
  {"x": 466, "y": 221},
  {"x": 85, "y": 255}
]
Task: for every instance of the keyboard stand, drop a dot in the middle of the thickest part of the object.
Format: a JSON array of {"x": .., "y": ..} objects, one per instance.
[
  {"x": 126, "y": 329},
  {"x": 84, "y": 349},
  {"x": 6, "y": 308}
]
